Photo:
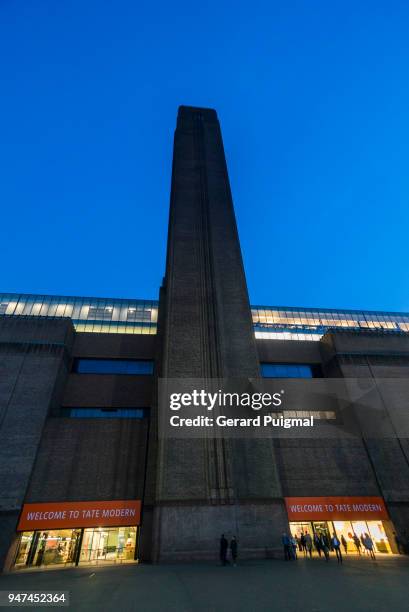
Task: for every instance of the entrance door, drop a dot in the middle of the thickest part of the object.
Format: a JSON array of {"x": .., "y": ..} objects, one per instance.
[
  {"x": 377, "y": 533},
  {"x": 108, "y": 545},
  {"x": 56, "y": 547},
  {"x": 297, "y": 529},
  {"x": 93, "y": 545},
  {"x": 379, "y": 537},
  {"x": 321, "y": 529},
  {"x": 345, "y": 534}
]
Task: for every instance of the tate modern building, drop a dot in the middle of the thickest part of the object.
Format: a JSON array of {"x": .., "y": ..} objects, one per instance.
[{"x": 86, "y": 478}]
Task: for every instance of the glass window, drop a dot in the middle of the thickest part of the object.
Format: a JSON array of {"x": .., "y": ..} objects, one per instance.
[
  {"x": 112, "y": 366},
  {"x": 139, "y": 314},
  {"x": 24, "y": 548},
  {"x": 87, "y": 314},
  {"x": 104, "y": 413},
  {"x": 110, "y": 545},
  {"x": 56, "y": 547},
  {"x": 100, "y": 312},
  {"x": 276, "y": 370}
]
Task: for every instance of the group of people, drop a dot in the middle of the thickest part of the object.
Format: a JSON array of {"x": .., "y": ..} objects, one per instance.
[
  {"x": 224, "y": 550},
  {"x": 324, "y": 544}
]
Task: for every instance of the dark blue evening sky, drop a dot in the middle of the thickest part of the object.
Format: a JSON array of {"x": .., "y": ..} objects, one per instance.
[{"x": 313, "y": 99}]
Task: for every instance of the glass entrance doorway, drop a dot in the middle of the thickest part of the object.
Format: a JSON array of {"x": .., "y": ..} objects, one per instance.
[
  {"x": 38, "y": 548},
  {"x": 63, "y": 547},
  {"x": 376, "y": 531},
  {"x": 346, "y": 531},
  {"x": 110, "y": 545}
]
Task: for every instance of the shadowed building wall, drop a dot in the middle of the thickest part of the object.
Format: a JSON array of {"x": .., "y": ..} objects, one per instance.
[
  {"x": 379, "y": 356},
  {"x": 33, "y": 368},
  {"x": 45, "y": 457}
]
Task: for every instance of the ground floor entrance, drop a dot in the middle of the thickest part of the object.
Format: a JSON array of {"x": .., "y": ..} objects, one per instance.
[
  {"x": 361, "y": 523},
  {"x": 88, "y": 546},
  {"x": 347, "y": 532}
]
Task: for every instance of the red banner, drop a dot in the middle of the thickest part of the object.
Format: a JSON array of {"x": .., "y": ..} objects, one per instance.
[
  {"x": 335, "y": 508},
  {"x": 61, "y": 515}
]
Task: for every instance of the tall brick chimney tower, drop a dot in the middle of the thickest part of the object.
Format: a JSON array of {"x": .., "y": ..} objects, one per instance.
[{"x": 206, "y": 487}]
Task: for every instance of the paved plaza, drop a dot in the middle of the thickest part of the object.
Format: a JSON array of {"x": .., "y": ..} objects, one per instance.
[{"x": 304, "y": 586}]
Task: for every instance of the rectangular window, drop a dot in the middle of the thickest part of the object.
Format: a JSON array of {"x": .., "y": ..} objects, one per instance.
[
  {"x": 320, "y": 415},
  {"x": 105, "y": 413},
  {"x": 139, "y": 314},
  {"x": 3, "y": 307},
  {"x": 291, "y": 370},
  {"x": 113, "y": 366},
  {"x": 100, "y": 312}
]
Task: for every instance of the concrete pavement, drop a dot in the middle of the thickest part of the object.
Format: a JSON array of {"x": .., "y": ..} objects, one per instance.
[{"x": 308, "y": 585}]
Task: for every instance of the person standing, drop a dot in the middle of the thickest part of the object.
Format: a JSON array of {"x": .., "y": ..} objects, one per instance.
[
  {"x": 308, "y": 543},
  {"x": 303, "y": 546},
  {"x": 41, "y": 551},
  {"x": 336, "y": 545},
  {"x": 286, "y": 545},
  {"x": 297, "y": 542},
  {"x": 293, "y": 547},
  {"x": 233, "y": 549},
  {"x": 324, "y": 546},
  {"x": 358, "y": 544},
  {"x": 317, "y": 544},
  {"x": 223, "y": 549},
  {"x": 368, "y": 543},
  {"x": 344, "y": 544},
  {"x": 398, "y": 543}
]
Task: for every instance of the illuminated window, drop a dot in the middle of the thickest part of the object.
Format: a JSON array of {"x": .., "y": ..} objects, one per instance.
[
  {"x": 100, "y": 312},
  {"x": 319, "y": 415},
  {"x": 113, "y": 366},
  {"x": 275, "y": 370},
  {"x": 139, "y": 314},
  {"x": 105, "y": 413}
]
